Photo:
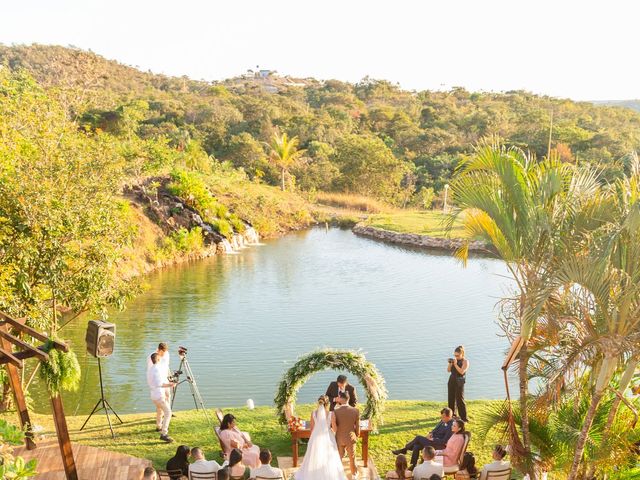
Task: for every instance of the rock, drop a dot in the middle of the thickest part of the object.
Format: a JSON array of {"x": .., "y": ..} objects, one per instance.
[{"x": 419, "y": 241}]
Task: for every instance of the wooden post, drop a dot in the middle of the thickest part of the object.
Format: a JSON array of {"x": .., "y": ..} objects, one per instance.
[
  {"x": 63, "y": 438},
  {"x": 18, "y": 395}
]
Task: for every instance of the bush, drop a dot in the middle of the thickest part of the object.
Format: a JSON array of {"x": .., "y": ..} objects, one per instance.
[
  {"x": 190, "y": 187},
  {"x": 183, "y": 241},
  {"x": 222, "y": 227},
  {"x": 13, "y": 467},
  {"x": 238, "y": 225}
]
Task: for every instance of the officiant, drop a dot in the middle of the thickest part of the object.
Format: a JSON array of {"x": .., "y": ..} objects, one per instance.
[{"x": 341, "y": 385}]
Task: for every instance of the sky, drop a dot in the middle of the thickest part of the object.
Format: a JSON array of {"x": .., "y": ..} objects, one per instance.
[{"x": 584, "y": 50}]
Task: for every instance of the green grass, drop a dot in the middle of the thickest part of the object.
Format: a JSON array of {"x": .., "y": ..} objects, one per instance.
[
  {"x": 137, "y": 436},
  {"x": 432, "y": 223}
]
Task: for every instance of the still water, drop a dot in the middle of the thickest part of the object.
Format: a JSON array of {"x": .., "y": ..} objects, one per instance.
[{"x": 245, "y": 318}]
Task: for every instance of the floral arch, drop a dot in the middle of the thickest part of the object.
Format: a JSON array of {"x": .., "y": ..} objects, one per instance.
[{"x": 351, "y": 361}]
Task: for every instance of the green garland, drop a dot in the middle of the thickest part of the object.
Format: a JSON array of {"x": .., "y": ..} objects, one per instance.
[
  {"x": 61, "y": 371},
  {"x": 353, "y": 362}
]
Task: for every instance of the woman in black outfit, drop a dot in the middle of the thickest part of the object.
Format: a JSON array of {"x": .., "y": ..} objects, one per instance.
[
  {"x": 458, "y": 367},
  {"x": 179, "y": 462}
]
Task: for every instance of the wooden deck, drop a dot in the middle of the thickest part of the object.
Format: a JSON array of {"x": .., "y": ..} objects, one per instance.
[
  {"x": 92, "y": 463},
  {"x": 364, "y": 473}
]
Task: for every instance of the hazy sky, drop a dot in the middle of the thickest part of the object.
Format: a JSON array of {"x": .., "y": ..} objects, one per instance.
[{"x": 584, "y": 50}]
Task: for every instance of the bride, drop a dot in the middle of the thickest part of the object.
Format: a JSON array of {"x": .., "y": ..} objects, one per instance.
[{"x": 321, "y": 462}]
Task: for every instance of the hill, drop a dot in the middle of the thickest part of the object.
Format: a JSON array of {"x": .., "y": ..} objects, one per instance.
[
  {"x": 632, "y": 104},
  {"x": 369, "y": 138}
]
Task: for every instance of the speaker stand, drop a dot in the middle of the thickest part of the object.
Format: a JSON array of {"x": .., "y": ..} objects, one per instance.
[{"x": 102, "y": 404}]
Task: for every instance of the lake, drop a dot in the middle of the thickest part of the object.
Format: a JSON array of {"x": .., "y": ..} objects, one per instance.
[{"x": 246, "y": 318}]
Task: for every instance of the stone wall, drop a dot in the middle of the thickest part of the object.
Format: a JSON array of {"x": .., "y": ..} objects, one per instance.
[{"x": 415, "y": 240}]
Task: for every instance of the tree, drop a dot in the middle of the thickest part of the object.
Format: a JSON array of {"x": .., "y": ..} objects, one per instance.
[
  {"x": 532, "y": 214},
  {"x": 368, "y": 167},
  {"x": 62, "y": 225},
  {"x": 284, "y": 153},
  {"x": 607, "y": 280}
]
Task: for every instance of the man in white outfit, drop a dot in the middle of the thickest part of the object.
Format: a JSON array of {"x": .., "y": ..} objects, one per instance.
[
  {"x": 499, "y": 463},
  {"x": 164, "y": 359},
  {"x": 265, "y": 470},
  {"x": 158, "y": 385},
  {"x": 201, "y": 464},
  {"x": 429, "y": 466}
]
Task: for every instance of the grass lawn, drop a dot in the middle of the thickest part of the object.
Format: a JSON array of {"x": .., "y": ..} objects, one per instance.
[
  {"x": 137, "y": 436},
  {"x": 432, "y": 223}
]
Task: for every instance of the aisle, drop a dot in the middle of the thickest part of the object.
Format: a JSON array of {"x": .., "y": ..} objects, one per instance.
[{"x": 286, "y": 464}]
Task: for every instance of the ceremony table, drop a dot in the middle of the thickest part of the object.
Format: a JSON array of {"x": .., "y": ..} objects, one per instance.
[{"x": 305, "y": 432}]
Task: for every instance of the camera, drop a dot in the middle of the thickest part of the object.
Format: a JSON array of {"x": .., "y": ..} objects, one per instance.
[
  {"x": 174, "y": 377},
  {"x": 182, "y": 351},
  {"x": 450, "y": 360}
]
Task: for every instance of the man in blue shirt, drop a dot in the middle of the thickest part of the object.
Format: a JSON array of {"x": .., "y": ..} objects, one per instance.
[{"x": 437, "y": 439}]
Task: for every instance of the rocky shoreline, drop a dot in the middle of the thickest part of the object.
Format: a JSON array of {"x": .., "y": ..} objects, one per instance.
[{"x": 416, "y": 240}]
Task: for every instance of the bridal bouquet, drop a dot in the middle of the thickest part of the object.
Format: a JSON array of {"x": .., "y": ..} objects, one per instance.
[{"x": 295, "y": 424}]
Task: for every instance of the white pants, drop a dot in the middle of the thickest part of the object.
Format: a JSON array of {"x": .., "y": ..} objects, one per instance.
[{"x": 163, "y": 415}]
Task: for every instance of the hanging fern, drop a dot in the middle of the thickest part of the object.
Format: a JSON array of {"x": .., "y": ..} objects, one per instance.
[{"x": 61, "y": 371}]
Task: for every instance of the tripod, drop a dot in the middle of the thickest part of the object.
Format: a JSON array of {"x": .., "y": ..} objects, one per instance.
[
  {"x": 103, "y": 404},
  {"x": 195, "y": 392}
]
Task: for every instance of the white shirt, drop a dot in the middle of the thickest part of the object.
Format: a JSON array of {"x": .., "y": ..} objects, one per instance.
[
  {"x": 428, "y": 468},
  {"x": 205, "y": 466},
  {"x": 492, "y": 467},
  {"x": 163, "y": 361},
  {"x": 266, "y": 471},
  {"x": 155, "y": 380}
]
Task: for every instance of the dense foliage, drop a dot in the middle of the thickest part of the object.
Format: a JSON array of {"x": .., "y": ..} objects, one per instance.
[
  {"x": 572, "y": 247},
  {"x": 371, "y": 138}
]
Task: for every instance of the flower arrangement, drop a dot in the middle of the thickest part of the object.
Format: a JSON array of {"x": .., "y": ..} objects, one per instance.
[
  {"x": 349, "y": 360},
  {"x": 295, "y": 424}
]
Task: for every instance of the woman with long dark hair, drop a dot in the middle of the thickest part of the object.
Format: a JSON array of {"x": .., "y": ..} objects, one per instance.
[
  {"x": 237, "y": 468},
  {"x": 458, "y": 367},
  {"x": 467, "y": 469},
  {"x": 401, "y": 471},
  {"x": 232, "y": 437},
  {"x": 180, "y": 461},
  {"x": 451, "y": 453}
]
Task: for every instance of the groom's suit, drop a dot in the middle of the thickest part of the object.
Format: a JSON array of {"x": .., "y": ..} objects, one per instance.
[
  {"x": 347, "y": 424},
  {"x": 333, "y": 390}
]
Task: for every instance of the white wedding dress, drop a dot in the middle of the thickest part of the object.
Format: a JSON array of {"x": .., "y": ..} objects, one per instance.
[{"x": 321, "y": 462}]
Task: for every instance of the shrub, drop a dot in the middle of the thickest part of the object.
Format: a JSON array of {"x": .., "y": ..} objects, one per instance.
[
  {"x": 223, "y": 227},
  {"x": 238, "y": 225}
]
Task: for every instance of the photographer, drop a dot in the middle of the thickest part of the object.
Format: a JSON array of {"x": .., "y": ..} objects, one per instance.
[
  {"x": 163, "y": 361},
  {"x": 458, "y": 367},
  {"x": 158, "y": 386}
]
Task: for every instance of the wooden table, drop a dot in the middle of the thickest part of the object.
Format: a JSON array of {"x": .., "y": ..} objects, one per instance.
[{"x": 365, "y": 428}]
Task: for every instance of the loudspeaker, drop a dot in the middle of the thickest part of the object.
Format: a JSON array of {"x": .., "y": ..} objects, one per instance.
[{"x": 100, "y": 338}]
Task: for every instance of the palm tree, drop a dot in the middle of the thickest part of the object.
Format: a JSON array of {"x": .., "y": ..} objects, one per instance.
[
  {"x": 606, "y": 279},
  {"x": 531, "y": 214},
  {"x": 284, "y": 153}
]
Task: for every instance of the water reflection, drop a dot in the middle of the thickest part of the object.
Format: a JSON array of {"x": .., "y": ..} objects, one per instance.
[{"x": 245, "y": 319}]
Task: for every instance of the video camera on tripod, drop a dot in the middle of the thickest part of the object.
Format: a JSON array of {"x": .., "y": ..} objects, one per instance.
[{"x": 185, "y": 368}]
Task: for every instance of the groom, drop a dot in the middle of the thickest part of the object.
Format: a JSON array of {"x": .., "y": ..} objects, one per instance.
[
  {"x": 346, "y": 423},
  {"x": 341, "y": 385}
]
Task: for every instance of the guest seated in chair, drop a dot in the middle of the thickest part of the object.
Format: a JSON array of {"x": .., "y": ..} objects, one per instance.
[
  {"x": 149, "y": 474},
  {"x": 499, "y": 452},
  {"x": 429, "y": 466},
  {"x": 232, "y": 437},
  {"x": 223, "y": 474},
  {"x": 237, "y": 468},
  {"x": 180, "y": 461},
  {"x": 467, "y": 468},
  {"x": 265, "y": 469},
  {"x": 437, "y": 438},
  {"x": 451, "y": 453},
  {"x": 401, "y": 471},
  {"x": 201, "y": 464}
]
